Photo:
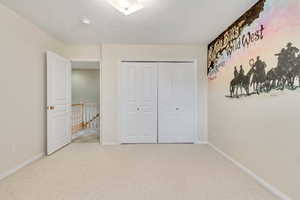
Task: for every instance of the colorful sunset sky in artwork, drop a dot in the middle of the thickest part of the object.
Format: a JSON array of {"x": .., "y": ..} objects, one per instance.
[{"x": 281, "y": 19}]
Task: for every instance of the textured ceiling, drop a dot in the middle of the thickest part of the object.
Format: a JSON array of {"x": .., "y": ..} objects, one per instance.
[{"x": 160, "y": 22}]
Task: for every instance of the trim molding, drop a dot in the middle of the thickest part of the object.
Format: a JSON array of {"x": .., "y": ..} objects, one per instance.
[
  {"x": 110, "y": 143},
  {"x": 201, "y": 142},
  {"x": 24, "y": 164},
  {"x": 260, "y": 180}
]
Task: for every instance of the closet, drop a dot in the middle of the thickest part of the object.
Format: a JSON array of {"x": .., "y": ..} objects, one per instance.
[{"x": 158, "y": 102}]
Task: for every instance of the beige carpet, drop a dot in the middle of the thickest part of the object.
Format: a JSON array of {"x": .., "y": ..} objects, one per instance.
[
  {"x": 132, "y": 172},
  {"x": 87, "y": 136},
  {"x": 90, "y": 138}
]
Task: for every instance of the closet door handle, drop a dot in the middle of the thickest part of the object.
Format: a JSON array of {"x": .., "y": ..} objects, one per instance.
[
  {"x": 138, "y": 109},
  {"x": 177, "y": 108}
]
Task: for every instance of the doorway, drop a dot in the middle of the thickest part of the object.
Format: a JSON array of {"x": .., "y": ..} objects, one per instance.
[{"x": 85, "y": 86}]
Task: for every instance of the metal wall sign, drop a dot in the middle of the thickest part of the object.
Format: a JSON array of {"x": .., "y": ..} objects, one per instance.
[
  {"x": 234, "y": 39},
  {"x": 259, "y": 54}
]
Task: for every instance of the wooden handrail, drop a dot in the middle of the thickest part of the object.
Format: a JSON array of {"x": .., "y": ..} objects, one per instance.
[
  {"x": 77, "y": 105},
  {"x": 93, "y": 119},
  {"x": 86, "y": 118}
]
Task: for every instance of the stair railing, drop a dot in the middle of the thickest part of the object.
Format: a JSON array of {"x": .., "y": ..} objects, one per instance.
[{"x": 84, "y": 116}]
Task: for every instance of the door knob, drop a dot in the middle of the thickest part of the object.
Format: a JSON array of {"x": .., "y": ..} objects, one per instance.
[
  {"x": 50, "y": 107},
  {"x": 177, "y": 108},
  {"x": 138, "y": 109}
]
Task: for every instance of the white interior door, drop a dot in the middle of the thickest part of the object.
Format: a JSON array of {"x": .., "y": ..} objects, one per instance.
[
  {"x": 139, "y": 103},
  {"x": 58, "y": 102},
  {"x": 176, "y": 103}
]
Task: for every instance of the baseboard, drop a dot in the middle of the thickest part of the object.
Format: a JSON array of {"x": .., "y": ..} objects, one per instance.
[
  {"x": 261, "y": 181},
  {"x": 24, "y": 164},
  {"x": 115, "y": 143},
  {"x": 110, "y": 143},
  {"x": 201, "y": 142}
]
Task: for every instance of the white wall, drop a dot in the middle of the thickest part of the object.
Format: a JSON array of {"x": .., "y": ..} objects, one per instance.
[
  {"x": 112, "y": 55},
  {"x": 261, "y": 132},
  {"x": 23, "y": 88},
  {"x": 250, "y": 131},
  {"x": 23, "y": 85},
  {"x": 85, "y": 86},
  {"x": 83, "y": 52}
]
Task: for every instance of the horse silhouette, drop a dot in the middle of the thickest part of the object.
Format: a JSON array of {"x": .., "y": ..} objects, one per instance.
[
  {"x": 272, "y": 79},
  {"x": 241, "y": 82},
  {"x": 282, "y": 76},
  {"x": 259, "y": 80}
]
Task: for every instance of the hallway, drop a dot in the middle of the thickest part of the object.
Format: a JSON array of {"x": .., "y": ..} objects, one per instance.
[{"x": 87, "y": 136}]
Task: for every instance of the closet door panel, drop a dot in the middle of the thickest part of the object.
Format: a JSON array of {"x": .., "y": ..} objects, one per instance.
[
  {"x": 139, "y": 103},
  {"x": 129, "y": 113},
  {"x": 176, "y": 105},
  {"x": 148, "y": 101}
]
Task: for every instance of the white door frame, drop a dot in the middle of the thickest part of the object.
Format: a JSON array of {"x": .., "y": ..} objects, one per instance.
[
  {"x": 100, "y": 91},
  {"x": 120, "y": 98}
]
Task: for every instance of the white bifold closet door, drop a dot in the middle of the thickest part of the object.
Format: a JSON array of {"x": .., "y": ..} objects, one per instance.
[
  {"x": 139, "y": 103},
  {"x": 176, "y": 103}
]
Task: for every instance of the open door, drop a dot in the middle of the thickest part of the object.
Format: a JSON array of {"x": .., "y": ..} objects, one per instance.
[{"x": 58, "y": 102}]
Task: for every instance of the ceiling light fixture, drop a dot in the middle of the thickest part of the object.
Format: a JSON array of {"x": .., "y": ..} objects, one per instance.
[
  {"x": 126, "y": 7},
  {"x": 85, "y": 21}
]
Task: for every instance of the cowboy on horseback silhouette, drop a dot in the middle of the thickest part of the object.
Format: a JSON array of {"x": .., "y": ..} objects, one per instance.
[
  {"x": 279, "y": 77},
  {"x": 259, "y": 77},
  {"x": 241, "y": 82},
  {"x": 260, "y": 66},
  {"x": 287, "y": 65},
  {"x": 297, "y": 68},
  {"x": 242, "y": 71},
  {"x": 235, "y": 73}
]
